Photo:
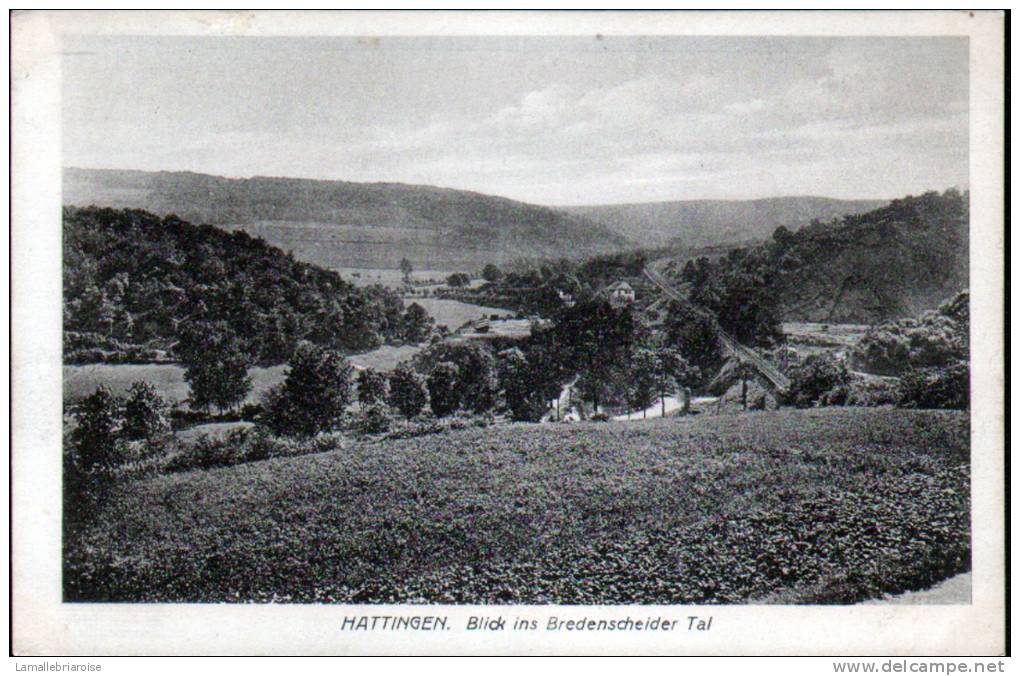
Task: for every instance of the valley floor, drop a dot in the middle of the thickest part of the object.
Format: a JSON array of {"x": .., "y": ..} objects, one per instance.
[{"x": 792, "y": 506}]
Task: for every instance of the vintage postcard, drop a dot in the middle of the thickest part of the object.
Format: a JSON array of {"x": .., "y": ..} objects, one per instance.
[{"x": 508, "y": 333}]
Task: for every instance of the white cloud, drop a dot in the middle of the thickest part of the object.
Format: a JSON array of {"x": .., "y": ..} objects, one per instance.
[{"x": 725, "y": 119}]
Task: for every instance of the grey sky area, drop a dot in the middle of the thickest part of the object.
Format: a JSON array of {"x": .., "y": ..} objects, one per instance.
[{"x": 548, "y": 120}]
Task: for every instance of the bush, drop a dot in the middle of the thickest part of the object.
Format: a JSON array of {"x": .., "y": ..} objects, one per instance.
[
  {"x": 444, "y": 388},
  {"x": 427, "y": 424},
  {"x": 250, "y": 412},
  {"x": 935, "y": 387},
  {"x": 91, "y": 452},
  {"x": 250, "y": 444},
  {"x": 938, "y": 338},
  {"x": 819, "y": 379},
  {"x": 146, "y": 414},
  {"x": 373, "y": 419},
  {"x": 95, "y": 438},
  {"x": 211, "y": 451},
  {"x": 371, "y": 387},
  {"x": 314, "y": 395},
  {"x": 416, "y": 323},
  {"x": 873, "y": 392},
  {"x": 408, "y": 393}
]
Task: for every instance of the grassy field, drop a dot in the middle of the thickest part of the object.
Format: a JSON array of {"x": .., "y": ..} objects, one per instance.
[
  {"x": 454, "y": 313},
  {"x": 827, "y": 505},
  {"x": 812, "y": 337},
  {"x": 391, "y": 278},
  {"x": 82, "y": 380}
]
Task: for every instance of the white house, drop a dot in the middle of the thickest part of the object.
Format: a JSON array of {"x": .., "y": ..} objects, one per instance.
[{"x": 620, "y": 293}]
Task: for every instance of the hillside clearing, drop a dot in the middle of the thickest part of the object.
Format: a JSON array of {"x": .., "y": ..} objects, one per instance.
[
  {"x": 834, "y": 505},
  {"x": 454, "y": 313}
]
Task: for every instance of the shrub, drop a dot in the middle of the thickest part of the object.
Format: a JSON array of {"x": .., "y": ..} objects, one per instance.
[
  {"x": 937, "y": 338},
  {"x": 816, "y": 377},
  {"x": 371, "y": 387},
  {"x": 146, "y": 414},
  {"x": 936, "y": 387},
  {"x": 210, "y": 451},
  {"x": 873, "y": 392},
  {"x": 444, "y": 390},
  {"x": 426, "y": 424},
  {"x": 408, "y": 393},
  {"x": 373, "y": 419},
  {"x": 91, "y": 452},
  {"x": 251, "y": 412},
  {"x": 95, "y": 438},
  {"x": 491, "y": 273},
  {"x": 314, "y": 395},
  {"x": 250, "y": 444}
]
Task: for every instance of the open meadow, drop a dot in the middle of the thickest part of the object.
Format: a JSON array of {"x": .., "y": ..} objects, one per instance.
[
  {"x": 795, "y": 506},
  {"x": 80, "y": 380},
  {"x": 454, "y": 313}
]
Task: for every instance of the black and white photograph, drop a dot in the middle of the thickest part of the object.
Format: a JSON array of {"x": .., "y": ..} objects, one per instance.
[{"x": 518, "y": 319}]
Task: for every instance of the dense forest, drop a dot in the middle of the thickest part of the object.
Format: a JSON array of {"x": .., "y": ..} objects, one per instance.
[
  {"x": 897, "y": 261},
  {"x": 134, "y": 283}
]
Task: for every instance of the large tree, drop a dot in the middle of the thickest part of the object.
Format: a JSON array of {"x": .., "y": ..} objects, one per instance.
[
  {"x": 695, "y": 333},
  {"x": 408, "y": 393},
  {"x": 523, "y": 385},
  {"x": 671, "y": 373},
  {"x": 444, "y": 388},
  {"x": 475, "y": 367},
  {"x": 595, "y": 339},
  {"x": 641, "y": 382},
  {"x": 216, "y": 365},
  {"x": 314, "y": 395},
  {"x": 417, "y": 324}
]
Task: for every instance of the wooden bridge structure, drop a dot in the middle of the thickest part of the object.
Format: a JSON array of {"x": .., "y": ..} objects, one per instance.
[{"x": 730, "y": 345}]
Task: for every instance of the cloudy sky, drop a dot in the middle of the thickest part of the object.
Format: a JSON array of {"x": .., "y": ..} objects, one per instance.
[{"x": 548, "y": 120}]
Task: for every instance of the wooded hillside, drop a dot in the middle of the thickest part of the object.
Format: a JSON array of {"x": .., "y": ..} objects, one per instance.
[
  {"x": 133, "y": 282},
  {"x": 893, "y": 262},
  {"x": 338, "y": 224}
]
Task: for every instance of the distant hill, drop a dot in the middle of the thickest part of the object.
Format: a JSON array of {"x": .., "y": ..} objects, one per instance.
[
  {"x": 893, "y": 262},
  {"x": 703, "y": 223},
  {"x": 338, "y": 224}
]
